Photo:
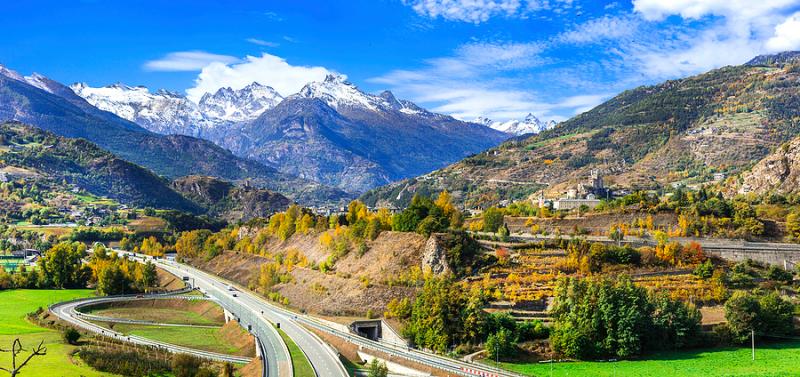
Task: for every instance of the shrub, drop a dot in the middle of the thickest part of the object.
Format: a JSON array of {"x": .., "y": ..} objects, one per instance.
[{"x": 71, "y": 335}]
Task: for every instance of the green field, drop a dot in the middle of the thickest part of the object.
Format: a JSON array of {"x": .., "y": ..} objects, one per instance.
[
  {"x": 207, "y": 339},
  {"x": 777, "y": 359},
  {"x": 300, "y": 364},
  {"x": 165, "y": 314},
  {"x": 15, "y": 305},
  {"x": 19, "y": 302}
]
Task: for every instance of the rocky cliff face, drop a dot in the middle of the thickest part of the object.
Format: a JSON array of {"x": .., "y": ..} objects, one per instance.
[
  {"x": 434, "y": 256},
  {"x": 232, "y": 203},
  {"x": 777, "y": 173}
]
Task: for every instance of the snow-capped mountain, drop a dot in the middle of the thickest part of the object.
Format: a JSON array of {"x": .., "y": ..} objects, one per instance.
[
  {"x": 330, "y": 131},
  {"x": 239, "y": 105},
  {"x": 530, "y": 125},
  {"x": 168, "y": 112},
  {"x": 342, "y": 95},
  {"x": 163, "y": 112}
]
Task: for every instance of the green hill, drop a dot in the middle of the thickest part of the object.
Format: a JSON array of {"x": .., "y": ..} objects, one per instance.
[
  {"x": 680, "y": 131},
  {"x": 29, "y": 152}
]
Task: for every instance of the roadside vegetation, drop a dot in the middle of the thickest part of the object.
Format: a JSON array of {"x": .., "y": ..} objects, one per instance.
[{"x": 300, "y": 364}]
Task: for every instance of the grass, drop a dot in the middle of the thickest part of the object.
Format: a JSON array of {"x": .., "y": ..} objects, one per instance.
[
  {"x": 775, "y": 359},
  {"x": 15, "y": 305},
  {"x": 91, "y": 199},
  {"x": 207, "y": 339},
  {"x": 147, "y": 224},
  {"x": 19, "y": 302},
  {"x": 160, "y": 315},
  {"x": 352, "y": 368},
  {"x": 48, "y": 230},
  {"x": 300, "y": 364}
]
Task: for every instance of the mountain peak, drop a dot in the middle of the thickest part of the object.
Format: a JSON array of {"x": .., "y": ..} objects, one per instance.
[
  {"x": 248, "y": 103},
  {"x": 337, "y": 92},
  {"x": 10, "y": 73},
  {"x": 335, "y": 78},
  {"x": 528, "y": 125}
]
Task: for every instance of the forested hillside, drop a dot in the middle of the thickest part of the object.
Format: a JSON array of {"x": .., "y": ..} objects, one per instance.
[{"x": 680, "y": 131}]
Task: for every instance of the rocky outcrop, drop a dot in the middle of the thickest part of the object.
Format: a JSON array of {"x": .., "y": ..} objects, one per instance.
[
  {"x": 434, "y": 256},
  {"x": 777, "y": 173},
  {"x": 225, "y": 200}
]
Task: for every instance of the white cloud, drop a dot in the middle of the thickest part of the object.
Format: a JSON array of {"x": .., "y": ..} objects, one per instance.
[
  {"x": 479, "y": 80},
  {"x": 187, "y": 61},
  {"x": 265, "y": 69},
  {"x": 787, "y": 35},
  {"x": 694, "y": 9},
  {"x": 717, "y": 33},
  {"x": 262, "y": 42},
  {"x": 599, "y": 29},
  {"x": 477, "y": 11}
]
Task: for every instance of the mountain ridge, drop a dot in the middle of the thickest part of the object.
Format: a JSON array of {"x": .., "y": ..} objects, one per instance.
[
  {"x": 332, "y": 132},
  {"x": 689, "y": 131},
  {"x": 56, "y": 108}
]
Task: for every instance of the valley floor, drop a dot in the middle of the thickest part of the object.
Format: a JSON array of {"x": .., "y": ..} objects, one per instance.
[
  {"x": 15, "y": 305},
  {"x": 772, "y": 359}
]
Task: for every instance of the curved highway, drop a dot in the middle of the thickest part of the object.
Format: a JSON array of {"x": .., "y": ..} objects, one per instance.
[
  {"x": 324, "y": 358},
  {"x": 68, "y": 311}
]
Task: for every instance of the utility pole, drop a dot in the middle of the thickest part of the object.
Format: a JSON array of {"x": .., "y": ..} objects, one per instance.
[{"x": 753, "y": 338}]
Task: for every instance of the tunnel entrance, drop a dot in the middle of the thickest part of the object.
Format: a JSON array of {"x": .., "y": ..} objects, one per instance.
[{"x": 372, "y": 330}]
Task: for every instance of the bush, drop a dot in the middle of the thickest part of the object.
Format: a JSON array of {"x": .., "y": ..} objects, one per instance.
[
  {"x": 778, "y": 274},
  {"x": 71, "y": 335},
  {"x": 185, "y": 365}
]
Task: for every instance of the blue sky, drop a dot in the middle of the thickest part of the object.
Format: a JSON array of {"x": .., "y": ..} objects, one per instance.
[{"x": 494, "y": 58}]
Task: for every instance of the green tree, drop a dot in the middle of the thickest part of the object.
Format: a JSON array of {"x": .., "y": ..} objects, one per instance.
[
  {"x": 776, "y": 315},
  {"x": 377, "y": 369},
  {"x": 704, "y": 270},
  {"x": 503, "y": 232},
  {"x": 149, "y": 275},
  {"x": 604, "y": 317},
  {"x": 493, "y": 218},
  {"x": 501, "y": 345},
  {"x": 112, "y": 281},
  {"x": 742, "y": 311},
  {"x": 62, "y": 266}
]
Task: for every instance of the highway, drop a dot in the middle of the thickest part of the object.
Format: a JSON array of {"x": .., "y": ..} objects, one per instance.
[
  {"x": 68, "y": 312},
  {"x": 257, "y": 315},
  {"x": 278, "y": 362},
  {"x": 323, "y": 358}
]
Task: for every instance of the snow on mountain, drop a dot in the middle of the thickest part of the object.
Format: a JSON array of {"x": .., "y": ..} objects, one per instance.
[
  {"x": 35, "y": 79},
  {"x": 340, "y": 94},
  {"x": 168, "y": 112},
  {"x": 11, "y": 74},
  {"x": 163, "y": 112},
  {"x": 530, "y": 125},
  {"x": 239, "y": 105}
]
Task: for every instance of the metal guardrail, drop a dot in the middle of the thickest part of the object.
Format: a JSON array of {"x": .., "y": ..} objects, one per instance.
[{"x": 264, "y": 359}]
